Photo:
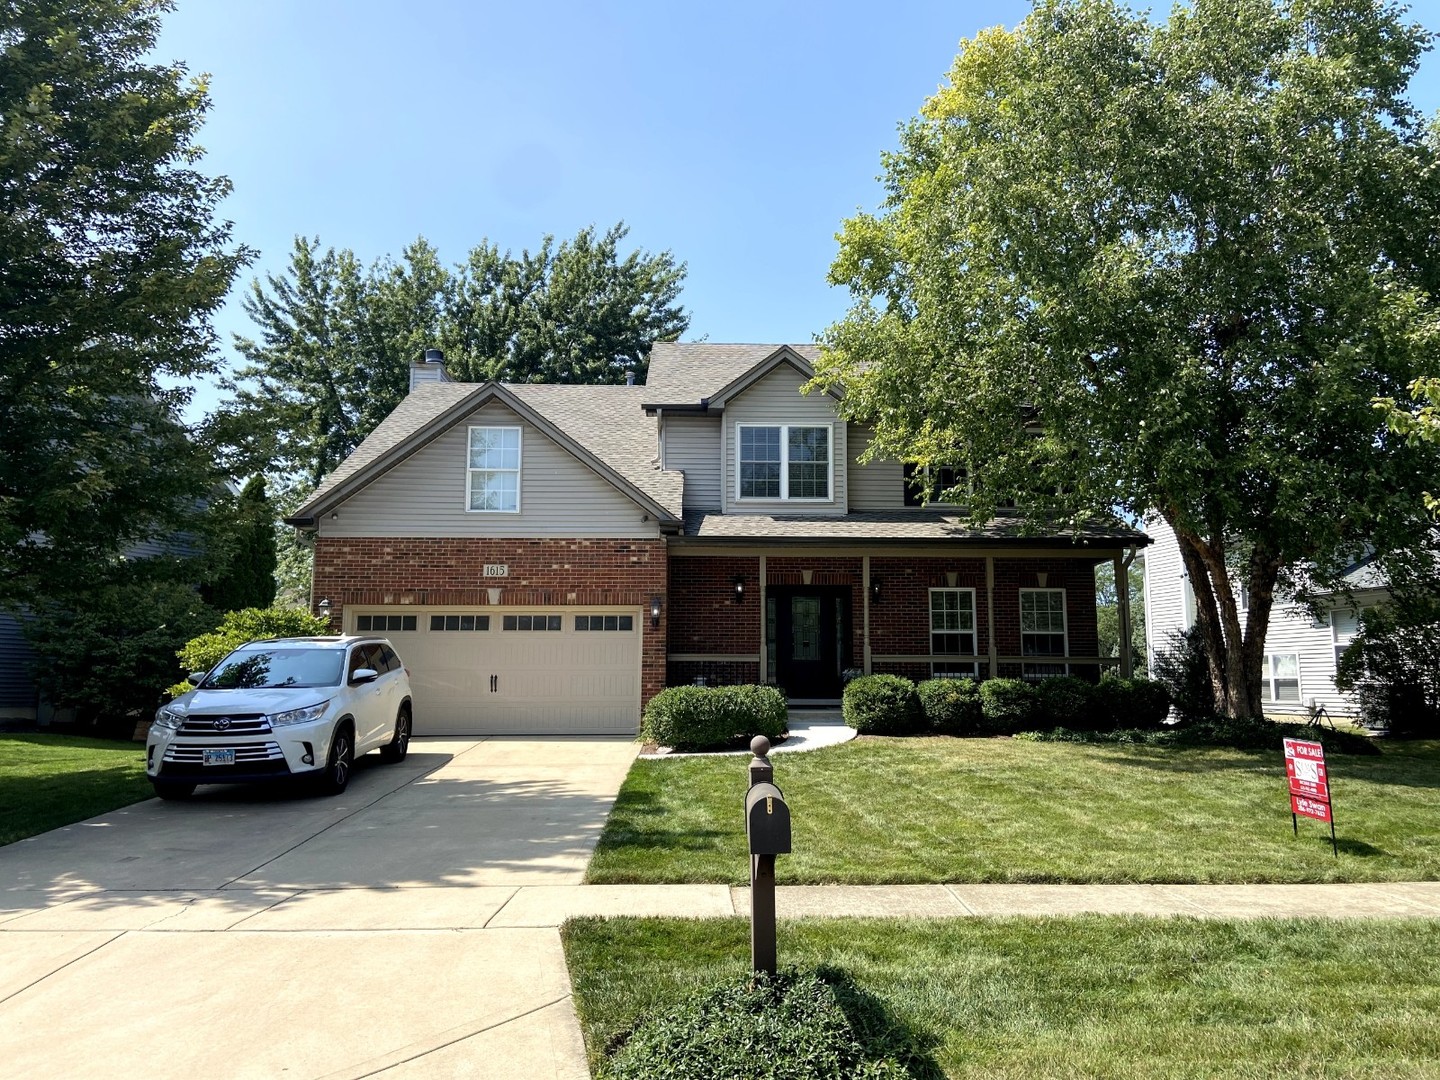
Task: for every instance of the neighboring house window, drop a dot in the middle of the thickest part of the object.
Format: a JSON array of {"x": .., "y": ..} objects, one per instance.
[
  {"x": 459, "y": 622},
  {"x": 375, "y": 624},
  {"x": 917, "y": 477},
  {"x": 952, "y": 631},
  {"x": 492, "y": 483},
  {"x": 783, "y": 462},
  {"x": 1281, "y": 678},
  {"x": 1042, "y": 629},
  {"x": 604, "y": 622},
  {"x": 1344, "y": 624}
]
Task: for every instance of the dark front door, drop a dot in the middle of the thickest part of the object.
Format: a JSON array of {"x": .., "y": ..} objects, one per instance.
[{"x": 810, "y": 633}]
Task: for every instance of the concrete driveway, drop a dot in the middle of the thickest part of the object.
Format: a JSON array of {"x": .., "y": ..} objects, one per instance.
[{"x": 253, "y": 933}]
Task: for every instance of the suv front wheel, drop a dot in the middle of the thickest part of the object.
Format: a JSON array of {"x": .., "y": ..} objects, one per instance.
[{"x": 336, "y": 776}]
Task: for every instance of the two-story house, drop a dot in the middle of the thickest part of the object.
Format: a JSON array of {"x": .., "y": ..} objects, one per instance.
[{"x": 546, "y": 558}]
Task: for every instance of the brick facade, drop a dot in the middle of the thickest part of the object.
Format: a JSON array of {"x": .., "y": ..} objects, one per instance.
[{"x": 449, "y": 571}]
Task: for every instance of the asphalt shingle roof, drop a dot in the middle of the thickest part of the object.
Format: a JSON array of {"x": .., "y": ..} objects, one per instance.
[
  {"x": 894, "y": 525},
  {"x": 684, "y": 372}
]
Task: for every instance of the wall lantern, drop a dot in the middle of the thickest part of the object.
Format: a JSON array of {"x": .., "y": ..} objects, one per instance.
[
  {"x": 655, "y": 611},
  {"x": 739, "y": 584},
  {"x": 324, "y": 609},
  {"x": 875, "y": 590}
]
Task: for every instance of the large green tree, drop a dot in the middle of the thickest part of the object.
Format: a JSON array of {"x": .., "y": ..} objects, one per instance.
[
  {"x": 335, "y": 339},
  {"x": 1165, "y": 267},
  {"x": 112, "y": 261}
]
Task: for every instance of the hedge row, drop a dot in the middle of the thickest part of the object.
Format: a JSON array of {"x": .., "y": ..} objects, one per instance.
[
  {"x": 713, "y": 717},
  {"x": 892, "y": 705}
]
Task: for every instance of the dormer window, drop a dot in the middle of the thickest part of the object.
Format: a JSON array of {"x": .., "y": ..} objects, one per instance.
[
  {"x": 783, "y": 461},
  {"x": 492, "y": 482}
]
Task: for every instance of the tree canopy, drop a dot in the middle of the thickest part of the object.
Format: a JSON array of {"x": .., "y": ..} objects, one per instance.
[
  {"x": 1164, "y": 267},
  {"x": 335, "y": 339},
  {"x": 112, "y": 261}
]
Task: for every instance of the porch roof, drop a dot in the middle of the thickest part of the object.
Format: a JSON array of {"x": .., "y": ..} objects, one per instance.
[{"x": 907, "y": 526}]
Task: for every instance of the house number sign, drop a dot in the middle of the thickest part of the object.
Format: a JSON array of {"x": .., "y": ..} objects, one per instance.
[{"x": 497, "y": 570}]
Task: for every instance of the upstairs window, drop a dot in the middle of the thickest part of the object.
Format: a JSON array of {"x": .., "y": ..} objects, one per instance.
[
  {"x": 783, "y": 462},
  {"x": 917, "y": 477},
  {"x": 492, "y": 482}
]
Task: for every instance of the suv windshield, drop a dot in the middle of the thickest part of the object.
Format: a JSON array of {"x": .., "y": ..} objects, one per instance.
[{"x": 261, "y": 669}]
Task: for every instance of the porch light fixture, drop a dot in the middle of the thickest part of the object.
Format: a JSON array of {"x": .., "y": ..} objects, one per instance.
[
  {"x": 655, "y": 611},
  {"x": 875, "y": 591},
  {"x": 739, "y": 584},
  {"x": 324, "y": 607}
]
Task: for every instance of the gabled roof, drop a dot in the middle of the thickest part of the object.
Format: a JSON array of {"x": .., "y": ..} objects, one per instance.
[
  {"x": 603, "y": 426},
  {"x": 691, "y": 372}
]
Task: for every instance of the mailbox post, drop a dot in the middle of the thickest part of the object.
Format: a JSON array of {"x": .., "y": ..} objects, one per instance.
[{"x": 767, "y": 827}]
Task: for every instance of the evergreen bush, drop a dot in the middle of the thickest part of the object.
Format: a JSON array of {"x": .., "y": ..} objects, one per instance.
[
  {"x": 882, "y": 705},
  {"x": 690, "y": 718},
  {"x": 1008, "y": 705},
  {"x": 950, "y": 706}
]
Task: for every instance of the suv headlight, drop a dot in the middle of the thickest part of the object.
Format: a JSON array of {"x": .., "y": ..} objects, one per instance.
[
  {"x": 307, "y": 715},
  {"x": 172, "y": 715}
]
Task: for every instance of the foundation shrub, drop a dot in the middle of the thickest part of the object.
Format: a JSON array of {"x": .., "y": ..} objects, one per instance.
[
  {"x": 1130, "y": 704},
  {"x": 1008, "y": 706},
  {"x": 883, "y": 705},
  {"x": 713, "y": 717},
  {"x": 1067, "y": 702},
  {"x": 950, "y": 706}
]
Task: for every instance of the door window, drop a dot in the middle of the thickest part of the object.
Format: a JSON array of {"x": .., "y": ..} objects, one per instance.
[{"x": 804, "y": 628}]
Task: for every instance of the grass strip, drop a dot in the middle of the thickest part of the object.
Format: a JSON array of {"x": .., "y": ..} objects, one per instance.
[{"x": 47, "y": 781}]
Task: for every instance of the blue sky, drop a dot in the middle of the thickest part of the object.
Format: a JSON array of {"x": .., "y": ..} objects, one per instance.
[{"x": 737, "y": 135}]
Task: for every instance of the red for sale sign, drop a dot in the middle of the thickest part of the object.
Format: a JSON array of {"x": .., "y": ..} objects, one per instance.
[
  {"x": 1305, "y": 768},
  {"x": 1299, "y": 804}
]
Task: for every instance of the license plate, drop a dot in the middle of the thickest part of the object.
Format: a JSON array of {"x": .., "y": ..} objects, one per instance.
[{"x": 217, "y": 757}]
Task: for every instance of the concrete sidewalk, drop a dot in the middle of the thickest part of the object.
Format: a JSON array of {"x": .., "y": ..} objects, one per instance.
[{"x": 476, "y": 908}]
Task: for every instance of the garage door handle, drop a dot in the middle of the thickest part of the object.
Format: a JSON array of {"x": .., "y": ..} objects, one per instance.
[{"x": 494, "y": 683}]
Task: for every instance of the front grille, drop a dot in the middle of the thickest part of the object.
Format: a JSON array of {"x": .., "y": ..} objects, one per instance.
[
  {"x": 192, "y": 754},
  {"x": 203, "y": 726}
]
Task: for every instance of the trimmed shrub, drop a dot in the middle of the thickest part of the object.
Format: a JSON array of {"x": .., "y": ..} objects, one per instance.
[
  {"x": 1134, "y": 704},
  {"x": 950, "y": 706},
  {"x": 1008, "y": 705},
  {"x": 793, "y": 1026},
  {"x": 713, "y": 717},
  {"x": 236, "y": 628},
  {"x": 882, "y": 705},
  {"x": 1066, "y": 702}
]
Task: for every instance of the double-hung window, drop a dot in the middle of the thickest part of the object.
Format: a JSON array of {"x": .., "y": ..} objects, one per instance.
[
  {"x": 492, "y": 481},
  {"x": 1281, "y": 681},
  {"x": 919, "y": 478},
  {"x": 1042, "y": 630},
  {"x": 785, "y": 461},
  {"x": 952, "y": 632}
]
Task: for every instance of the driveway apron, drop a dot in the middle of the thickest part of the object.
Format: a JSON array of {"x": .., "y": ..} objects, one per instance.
[{"x": 253, "y": 932}]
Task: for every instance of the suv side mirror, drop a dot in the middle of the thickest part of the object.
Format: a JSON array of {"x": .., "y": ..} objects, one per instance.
[
  {"x": 364, "y": 675},
  {"x": 195, "y": 678}
]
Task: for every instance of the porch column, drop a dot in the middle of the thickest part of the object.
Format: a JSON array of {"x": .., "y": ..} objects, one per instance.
[
  {"x": 990, "y": 615},
  {"x": 764, "y": 645},
  {"x": 1122, "y": 609},
  {"x": 865, "y": 610}
]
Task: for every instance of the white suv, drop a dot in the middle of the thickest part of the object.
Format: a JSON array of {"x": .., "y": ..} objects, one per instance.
[{"x": 282, "y": 708}]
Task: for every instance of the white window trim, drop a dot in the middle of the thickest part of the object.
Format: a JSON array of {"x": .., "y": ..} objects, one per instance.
[
  {"x": 969, "y": 485},
  {"x": 974, "y": 630},
  {"x": 785, "y": 464},
  {"x": 1065, "y": 631},
  {"x": 1267, "y": 683},
  {"x": 519, "y": 465}
]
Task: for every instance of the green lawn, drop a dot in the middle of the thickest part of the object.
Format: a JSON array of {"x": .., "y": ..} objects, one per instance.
[
  {"x": 1095, "y": 996},
  {"x": 51, "y": 780},
  {"x": 972, "y": 810}
]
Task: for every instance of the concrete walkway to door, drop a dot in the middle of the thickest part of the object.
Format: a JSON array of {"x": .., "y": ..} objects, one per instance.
[{"x": 258, "y": 933}]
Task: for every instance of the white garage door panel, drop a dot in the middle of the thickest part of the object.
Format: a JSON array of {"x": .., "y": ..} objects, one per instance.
[{"x": 565, "y": 682}]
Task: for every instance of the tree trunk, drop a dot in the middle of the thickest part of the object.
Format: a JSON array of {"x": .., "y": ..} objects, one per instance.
[{"x": 1236, "y": 657}]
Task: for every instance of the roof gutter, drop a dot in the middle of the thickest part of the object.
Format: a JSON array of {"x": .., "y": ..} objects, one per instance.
[{"x": 683, "y": 407}]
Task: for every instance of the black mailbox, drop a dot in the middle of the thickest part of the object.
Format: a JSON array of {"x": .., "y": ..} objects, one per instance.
[{"x": 767, "y": 820}]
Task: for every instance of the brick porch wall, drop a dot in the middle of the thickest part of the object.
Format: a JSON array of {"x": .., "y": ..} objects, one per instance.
[{"x": 443, "y": 572}]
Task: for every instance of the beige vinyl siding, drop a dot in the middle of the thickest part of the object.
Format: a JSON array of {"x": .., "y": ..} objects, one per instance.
[
  {"x": 425, "y": 494},
  {"x": 878, "y": 485},
  {"x": 692, "y": 445},
  {"x": 776, "y": 400}
]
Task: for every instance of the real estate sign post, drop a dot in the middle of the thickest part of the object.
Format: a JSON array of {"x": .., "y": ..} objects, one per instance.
[{"x": 1309, "y": 785}]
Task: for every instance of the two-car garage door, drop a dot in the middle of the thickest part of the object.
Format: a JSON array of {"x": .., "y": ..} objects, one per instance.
[{"x": 496, "y": 670}]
